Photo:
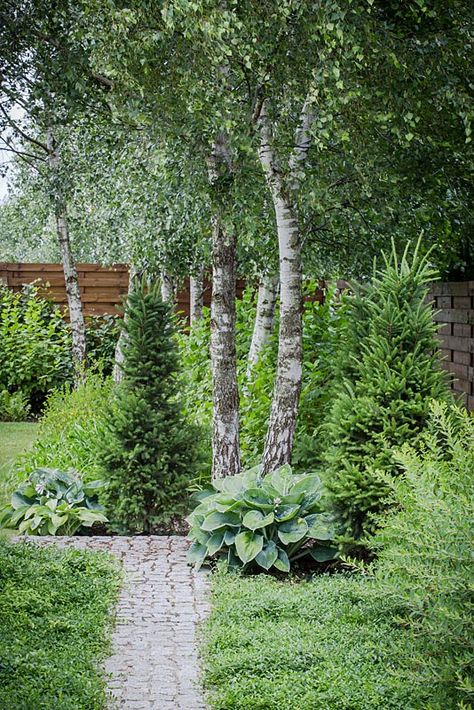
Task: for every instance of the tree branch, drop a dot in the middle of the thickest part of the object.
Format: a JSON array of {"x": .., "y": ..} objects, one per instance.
[{"x": 24, "y": 135}]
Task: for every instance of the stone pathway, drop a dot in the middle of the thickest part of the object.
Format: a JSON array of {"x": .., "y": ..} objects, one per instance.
[{"x": 154, "y": 665}]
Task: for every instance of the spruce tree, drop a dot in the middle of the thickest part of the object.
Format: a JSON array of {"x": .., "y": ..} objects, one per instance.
[
  {"x": 150, "y": 453},
  {"x": 390, "y": 372}
]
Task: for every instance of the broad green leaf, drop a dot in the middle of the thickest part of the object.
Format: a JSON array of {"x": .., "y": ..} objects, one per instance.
[
  {"x": 215, "y": 543},
  {"x": 286, "y": 512},
  {"x": 229, "y": 537},
  {"x": 322, "y": 553},
  {"x": 282, "y": 562},
  {"x": 18, "y": 500},
  {"x": 255, "y": 519},
  {"x": 251, "y": 476},
  {"x": 309, "y": 485},
  {"x": 281, "y": 479},
  {"x": 257, "y": 498},
  {"x": 292, "y": 530},
  {"x": 320, "y": 526},
  {"x": 267, "y": 557},
  {"x": 196, "y": 554},
  {"x": 217, "y": 520},
  {"x": 248, "y": 545},
  {"x": 223, "y": 506}
]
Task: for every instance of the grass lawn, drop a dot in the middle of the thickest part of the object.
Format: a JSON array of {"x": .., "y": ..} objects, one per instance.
[
  {"x": 327, "y": 644},
  {"x": 15, "y": 437},
  {"x": 54, "y": 626}
]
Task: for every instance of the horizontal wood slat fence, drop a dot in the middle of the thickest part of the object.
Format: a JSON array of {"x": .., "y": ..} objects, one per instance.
[{"x": 103, "y": 289}]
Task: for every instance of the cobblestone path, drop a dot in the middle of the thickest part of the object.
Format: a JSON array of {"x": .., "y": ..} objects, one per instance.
[{"x": 154, "y": 665}]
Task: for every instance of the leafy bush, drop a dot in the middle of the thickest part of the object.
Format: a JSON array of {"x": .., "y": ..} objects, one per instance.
[
  {"x": 53, "y": 502},
  {"x": 13, "y": 407},
  {"x": 270, "y": 521},
  {"x": 35, "y": 345},
  {"x": 149, "y": 451},
  {"x": 390, "y": 373},
  {"x": 425, "y": 557},
  {"x": 72, "y": 429},
  {"x": 55, "y": 618},
  {"x": 102, "y": 336}
]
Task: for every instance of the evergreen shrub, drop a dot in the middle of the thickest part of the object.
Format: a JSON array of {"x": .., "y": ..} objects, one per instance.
[
  {"x": 389, "y": 374},
  {"x": 150, "y": 450}
]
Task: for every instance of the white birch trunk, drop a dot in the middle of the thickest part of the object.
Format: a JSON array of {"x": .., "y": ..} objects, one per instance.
[
  {"x": 76, "y": 313},
  {"x": 225, "y": 436},
  {"x": 117, "y": 373},
  {"x": 196, "y": 295},
  {"x": 281, "y": 427},
  {"x": 265, "y": 312},
  {"x": 167, "y": 287}
]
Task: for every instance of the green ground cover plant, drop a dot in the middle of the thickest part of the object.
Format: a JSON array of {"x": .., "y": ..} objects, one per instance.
[
  {"x": 54, "y": 626},
  {"x": 328, "y": 643}
]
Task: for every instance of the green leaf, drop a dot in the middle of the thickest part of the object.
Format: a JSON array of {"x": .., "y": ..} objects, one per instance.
[
  {"x": 229, "y": 537},
  {"x": 255, "y": 519},
  {"x": 248, "y": 545},
  {"x": 282, "y": 562},
  {"x": 292, "y": 531},
  {"x": 18, "y": 500},
  {"x": 286, "y": 512},
  {"x": 321, "y": 553},
  {"x": 257, "y": 498},
  {"x": 320, "y": 526},
  {"x": 268, "y": 556},
  {"x": 309, "y": 485},
  {"x": 281, "y": 479},
  {"x": 196, "y": 555},
  {"x": 215, "y": 543},
  {"x": 217, "y": 520}
]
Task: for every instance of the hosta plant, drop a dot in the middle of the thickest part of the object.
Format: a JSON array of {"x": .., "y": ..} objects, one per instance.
[
  {"x": 261, "y": 521},
  {"x": 53, "y": 502}
]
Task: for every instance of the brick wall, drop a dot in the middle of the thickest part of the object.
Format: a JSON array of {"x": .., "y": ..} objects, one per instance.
[{"x": 454, "y": 304}]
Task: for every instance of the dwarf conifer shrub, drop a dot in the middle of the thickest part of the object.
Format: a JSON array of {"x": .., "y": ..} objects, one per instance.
[
  {"x": 149, "y": 452},
  {"x": 390, "y": 373}
]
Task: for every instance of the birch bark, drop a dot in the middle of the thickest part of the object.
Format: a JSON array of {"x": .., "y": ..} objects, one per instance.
[
  {"x": 167, "y": 287},
  {"x": 76, "y": 313},
  {"x": 284, "y": 189},
  {"x": 225, "y": 436},
  {"x": 196, "y": 295},
  {"x": 265, "y": 312},
  {"x": 118, "y": 360}
]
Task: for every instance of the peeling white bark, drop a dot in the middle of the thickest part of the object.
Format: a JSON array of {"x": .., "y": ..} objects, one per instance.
[
  {"x": 281, "y": 428},
  {"x": 264, "y": 315},
  {"x": 76, "y": 313},
  {"x": 225, "y": 437},
  {"x": 196, "y": 295},
  {"x": 117, "y": 373},
  {"x": 167, "y": 287}
]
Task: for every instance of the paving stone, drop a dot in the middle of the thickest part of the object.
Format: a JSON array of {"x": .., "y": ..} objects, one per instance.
[{"x": 160, "y": 604}]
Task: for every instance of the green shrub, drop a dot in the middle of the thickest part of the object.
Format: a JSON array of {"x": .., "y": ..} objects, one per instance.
[
  {"x": 267, "y": 521},
  {"x": 390, "y": 373},
  {"x": 71, "y": 430},
  {"x": 13, "y": 407},
  {"x": 55, "y": 618},
  {"x": 53, "y": 502},
  {"x": 35, "y": 345},
  {"x": 149, "y": 451},
  {"x": 102, "y": 336},
  {"x": 425, "y": 557}
]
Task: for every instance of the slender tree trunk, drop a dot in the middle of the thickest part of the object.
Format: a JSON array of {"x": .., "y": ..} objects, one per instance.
[
  {"x": 196, "y": 295},
  {"x": 225, "y": 437},
  {"x": 265, "y": 311},
  {"x": 167, "y": 287},
  {"x": 118, "y": 360},
  {"x": 76, "y": 313},
  {"x": 284, "y": 189}
]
